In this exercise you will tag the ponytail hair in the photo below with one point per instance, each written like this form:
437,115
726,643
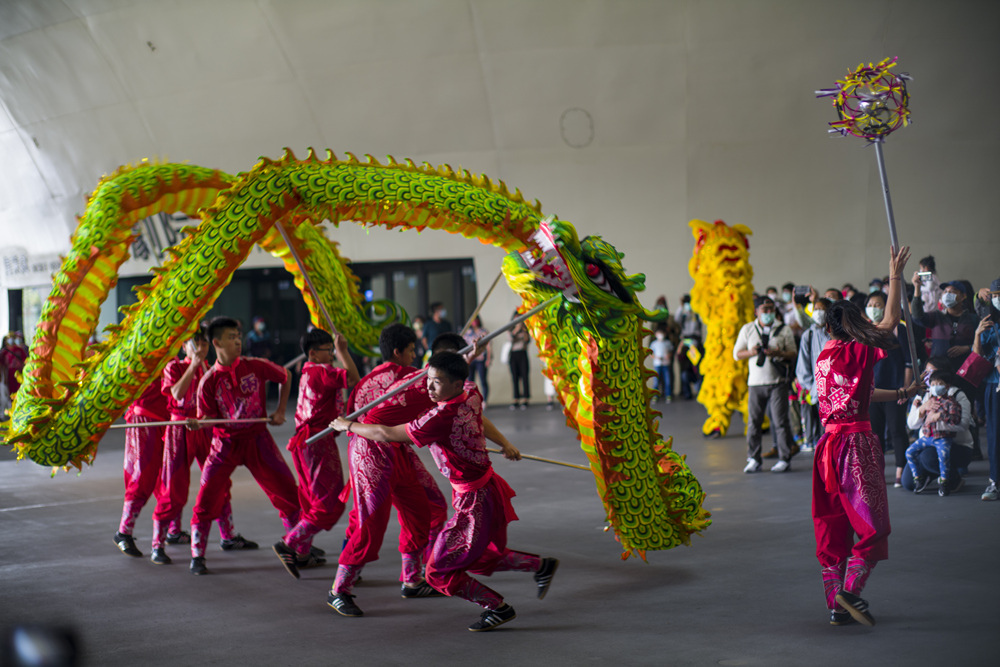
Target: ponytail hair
845,321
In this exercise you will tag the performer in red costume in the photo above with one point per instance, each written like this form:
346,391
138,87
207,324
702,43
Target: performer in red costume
234,389
321,475
474,539
848,471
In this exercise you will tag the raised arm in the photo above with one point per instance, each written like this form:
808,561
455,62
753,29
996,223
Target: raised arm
897,262
344,355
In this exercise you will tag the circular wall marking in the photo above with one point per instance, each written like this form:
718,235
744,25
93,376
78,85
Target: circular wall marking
576,127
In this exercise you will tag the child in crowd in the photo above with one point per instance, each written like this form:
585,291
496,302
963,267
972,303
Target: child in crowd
321,476
938,415
234,389
143,457
663,364
475,538
814,339
181,447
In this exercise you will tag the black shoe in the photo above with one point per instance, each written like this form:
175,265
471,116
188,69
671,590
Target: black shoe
921,483
543,577
770,454
943,487
182,537
238,542
841,617
127,545
198,566
287,558
160,557
492,618
316,551
421,590
310,560
856,607
343,604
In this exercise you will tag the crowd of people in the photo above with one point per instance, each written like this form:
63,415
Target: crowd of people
834,374
216,415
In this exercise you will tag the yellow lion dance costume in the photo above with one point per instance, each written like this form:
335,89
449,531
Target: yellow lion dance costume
723,298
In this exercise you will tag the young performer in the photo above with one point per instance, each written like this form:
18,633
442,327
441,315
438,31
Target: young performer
385,476
234,389
143,457
321,476
848,474
474,539
181,447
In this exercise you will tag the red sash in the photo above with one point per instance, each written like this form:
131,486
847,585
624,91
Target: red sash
499,484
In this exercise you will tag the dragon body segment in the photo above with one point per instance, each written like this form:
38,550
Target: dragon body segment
591,341
723,297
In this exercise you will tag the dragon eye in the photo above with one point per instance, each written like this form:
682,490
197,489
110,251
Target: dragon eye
593,270
596,275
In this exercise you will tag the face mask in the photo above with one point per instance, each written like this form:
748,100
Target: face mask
819,317
687,307
767,319
786,296
874,313
873,288
660,336
18,341
938,389
948,299
772,296
996,302
443,313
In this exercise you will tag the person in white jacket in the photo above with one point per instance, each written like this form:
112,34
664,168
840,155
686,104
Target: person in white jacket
961,439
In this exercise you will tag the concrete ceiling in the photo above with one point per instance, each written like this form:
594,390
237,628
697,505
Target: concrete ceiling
634,113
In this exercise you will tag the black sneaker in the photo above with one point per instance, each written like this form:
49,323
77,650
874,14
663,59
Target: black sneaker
198,566
160,557
492,618
921,483
127,545
316,551
287,558
182,537
421,590
238,542
841,617
856,607
310,560
544,575
343,604
943,486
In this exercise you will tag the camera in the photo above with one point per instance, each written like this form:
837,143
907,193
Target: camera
762,355
925,276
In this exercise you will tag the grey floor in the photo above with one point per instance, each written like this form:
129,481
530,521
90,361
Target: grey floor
747,592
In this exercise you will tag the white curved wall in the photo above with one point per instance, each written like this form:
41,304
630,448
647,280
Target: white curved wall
696,109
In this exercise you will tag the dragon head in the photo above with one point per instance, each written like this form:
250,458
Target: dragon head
597,293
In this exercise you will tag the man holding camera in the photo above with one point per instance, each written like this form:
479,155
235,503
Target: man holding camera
770,347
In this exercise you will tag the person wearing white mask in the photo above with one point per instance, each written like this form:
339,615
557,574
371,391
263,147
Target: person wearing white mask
813,340
691,335
663,363
770,348
986,344
888,419
952,329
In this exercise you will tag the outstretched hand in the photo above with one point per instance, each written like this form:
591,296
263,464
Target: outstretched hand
897,261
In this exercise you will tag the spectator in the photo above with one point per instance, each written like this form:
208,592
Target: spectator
437,325
950,330
813,340
848,291
663,363
770,347
888,418
518,363
942,415
258,340
875,286
421,345
692,335
930,286
12,359
479,365
986,344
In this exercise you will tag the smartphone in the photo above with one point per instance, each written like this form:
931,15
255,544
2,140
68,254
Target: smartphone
925,276
801,290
